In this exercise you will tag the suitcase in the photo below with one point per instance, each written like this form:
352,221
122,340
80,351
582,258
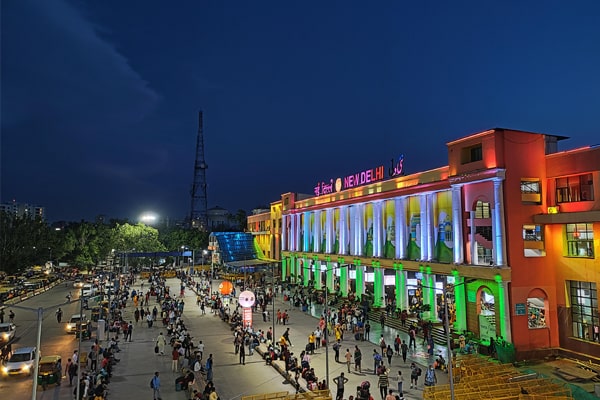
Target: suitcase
177,387
323,342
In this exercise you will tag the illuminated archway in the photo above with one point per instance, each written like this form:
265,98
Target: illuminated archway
486,313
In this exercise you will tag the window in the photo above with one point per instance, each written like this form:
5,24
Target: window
584,308
482,210
531,190
532,232
575,188
536,312
471,154
580,240
533,241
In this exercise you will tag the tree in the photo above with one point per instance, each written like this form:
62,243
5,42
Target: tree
24,242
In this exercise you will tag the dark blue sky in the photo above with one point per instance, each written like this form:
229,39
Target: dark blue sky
100,99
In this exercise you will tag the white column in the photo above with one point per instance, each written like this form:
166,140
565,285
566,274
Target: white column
498,226
431,202
352,233
504,313
377,229
457,233
472,239
317,232
401,239
360,231
423,226
293,232
284,243
342,230
298,232
329,231
307,232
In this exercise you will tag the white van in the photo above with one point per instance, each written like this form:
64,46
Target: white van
88,290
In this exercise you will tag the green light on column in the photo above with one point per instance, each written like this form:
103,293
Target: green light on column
378,284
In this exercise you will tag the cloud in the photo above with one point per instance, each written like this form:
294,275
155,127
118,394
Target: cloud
57,67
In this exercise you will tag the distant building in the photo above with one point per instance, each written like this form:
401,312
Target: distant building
23,210
218,218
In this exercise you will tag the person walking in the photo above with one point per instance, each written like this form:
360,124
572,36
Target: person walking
397,343
404,349
286,335
339,382
415,372
11,316
400,379
412,334
155,385
348,357
242,352
161,342
383,383
389,353
129,331
175,359
209,368
59,315
390,396
367,330
357,359
376,361
336,348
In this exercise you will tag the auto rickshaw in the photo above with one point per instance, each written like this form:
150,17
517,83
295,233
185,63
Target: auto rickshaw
50,371
84,330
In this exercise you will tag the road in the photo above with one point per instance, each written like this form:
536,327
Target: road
54,339
132,375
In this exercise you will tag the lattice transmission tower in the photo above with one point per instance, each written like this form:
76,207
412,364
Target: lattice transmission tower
199,212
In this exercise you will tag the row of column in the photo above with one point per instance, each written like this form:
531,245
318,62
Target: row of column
353,217
293,265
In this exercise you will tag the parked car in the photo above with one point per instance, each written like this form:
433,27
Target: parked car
78,284
20,362
7,332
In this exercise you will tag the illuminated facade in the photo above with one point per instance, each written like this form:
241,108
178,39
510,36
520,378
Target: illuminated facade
482,231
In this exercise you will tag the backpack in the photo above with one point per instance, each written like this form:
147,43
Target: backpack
389,352
419,371
152,383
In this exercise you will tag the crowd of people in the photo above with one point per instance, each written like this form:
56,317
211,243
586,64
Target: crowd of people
185,352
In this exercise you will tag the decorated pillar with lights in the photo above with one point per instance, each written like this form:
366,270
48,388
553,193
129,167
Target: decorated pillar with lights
284,271
460,302
329,274
316,267
503,311
400,228
498,226
343,277
423,226
430,297
401,294
457,232
360,278
378,301
305,271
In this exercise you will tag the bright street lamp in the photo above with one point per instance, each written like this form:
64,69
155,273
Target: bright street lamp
148,218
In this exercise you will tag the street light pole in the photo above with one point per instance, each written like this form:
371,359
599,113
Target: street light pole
449,365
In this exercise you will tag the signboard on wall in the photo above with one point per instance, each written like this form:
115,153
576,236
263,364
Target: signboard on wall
487,327
520,309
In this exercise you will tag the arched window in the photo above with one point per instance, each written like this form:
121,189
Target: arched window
537,306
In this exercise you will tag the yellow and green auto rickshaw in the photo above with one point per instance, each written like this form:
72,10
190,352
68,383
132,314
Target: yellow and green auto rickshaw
49,371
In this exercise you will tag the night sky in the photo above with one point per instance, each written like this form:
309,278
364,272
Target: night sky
100,99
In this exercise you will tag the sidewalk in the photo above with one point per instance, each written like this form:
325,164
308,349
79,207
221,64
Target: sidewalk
302,323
